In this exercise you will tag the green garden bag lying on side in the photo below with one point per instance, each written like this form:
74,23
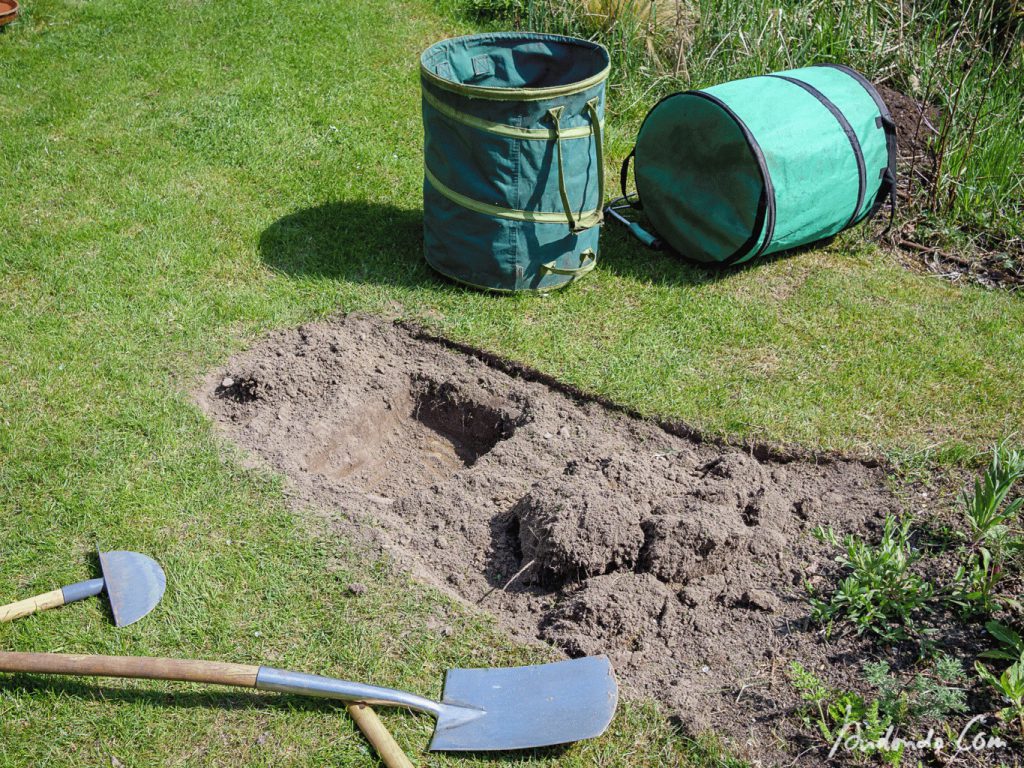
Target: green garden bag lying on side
762,165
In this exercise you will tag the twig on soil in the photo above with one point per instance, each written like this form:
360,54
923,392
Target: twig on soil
748,684
508,583
518,573
800,757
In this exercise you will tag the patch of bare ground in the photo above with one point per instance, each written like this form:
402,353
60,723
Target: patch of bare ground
575,524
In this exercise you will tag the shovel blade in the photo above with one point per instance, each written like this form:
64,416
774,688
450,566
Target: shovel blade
525,707
134,583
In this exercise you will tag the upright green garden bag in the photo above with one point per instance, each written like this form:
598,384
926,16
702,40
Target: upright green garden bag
762,165
513,178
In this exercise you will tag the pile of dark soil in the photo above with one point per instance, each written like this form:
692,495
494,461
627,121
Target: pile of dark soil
685,562
917,125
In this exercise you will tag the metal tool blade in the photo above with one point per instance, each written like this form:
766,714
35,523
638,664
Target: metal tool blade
524,707
134,583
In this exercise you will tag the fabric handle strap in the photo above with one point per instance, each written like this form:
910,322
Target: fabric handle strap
588,260
624,177
577,224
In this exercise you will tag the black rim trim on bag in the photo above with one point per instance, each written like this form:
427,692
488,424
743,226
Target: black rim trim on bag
765,203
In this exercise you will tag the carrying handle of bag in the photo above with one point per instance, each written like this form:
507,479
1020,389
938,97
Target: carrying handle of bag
588,260
624,179
631,201
579,224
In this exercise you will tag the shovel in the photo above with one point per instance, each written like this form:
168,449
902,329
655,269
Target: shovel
480,709
134,584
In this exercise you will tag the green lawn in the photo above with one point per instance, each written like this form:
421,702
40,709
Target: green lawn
177,178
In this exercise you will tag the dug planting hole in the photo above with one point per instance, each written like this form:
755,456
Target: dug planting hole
576,524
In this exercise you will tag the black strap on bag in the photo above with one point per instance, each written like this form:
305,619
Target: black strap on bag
634,202
888,188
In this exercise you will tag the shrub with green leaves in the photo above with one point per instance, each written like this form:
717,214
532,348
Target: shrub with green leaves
880,594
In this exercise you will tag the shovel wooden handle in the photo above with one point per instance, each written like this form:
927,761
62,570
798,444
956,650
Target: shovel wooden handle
30,605
139,667
212,672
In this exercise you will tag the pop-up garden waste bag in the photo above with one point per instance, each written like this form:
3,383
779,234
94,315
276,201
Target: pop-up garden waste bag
513,179
761,165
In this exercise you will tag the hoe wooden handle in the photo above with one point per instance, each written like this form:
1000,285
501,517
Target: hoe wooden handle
139,667
30,605
373,729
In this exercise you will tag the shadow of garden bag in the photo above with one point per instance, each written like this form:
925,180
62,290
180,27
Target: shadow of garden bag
757,166
513,180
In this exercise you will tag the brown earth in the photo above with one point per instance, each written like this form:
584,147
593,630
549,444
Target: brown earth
574,523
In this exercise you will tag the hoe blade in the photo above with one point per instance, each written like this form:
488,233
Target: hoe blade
524,707
134,584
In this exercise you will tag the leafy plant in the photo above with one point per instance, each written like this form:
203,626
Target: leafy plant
835,713
814,692
930,696
881,594
993,541
1010,685
986,515
1011,643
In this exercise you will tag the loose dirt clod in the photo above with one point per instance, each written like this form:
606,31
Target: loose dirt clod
573,526
573,523
622,611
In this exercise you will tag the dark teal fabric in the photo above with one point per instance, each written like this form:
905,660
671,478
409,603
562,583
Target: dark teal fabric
509,172
762,165
515,60
718,210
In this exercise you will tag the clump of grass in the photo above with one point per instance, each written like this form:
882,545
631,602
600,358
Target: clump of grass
881,593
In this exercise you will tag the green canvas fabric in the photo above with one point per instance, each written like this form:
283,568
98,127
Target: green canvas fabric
765,164
512,125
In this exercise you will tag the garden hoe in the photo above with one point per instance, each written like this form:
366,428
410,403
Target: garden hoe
134,585
480,709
